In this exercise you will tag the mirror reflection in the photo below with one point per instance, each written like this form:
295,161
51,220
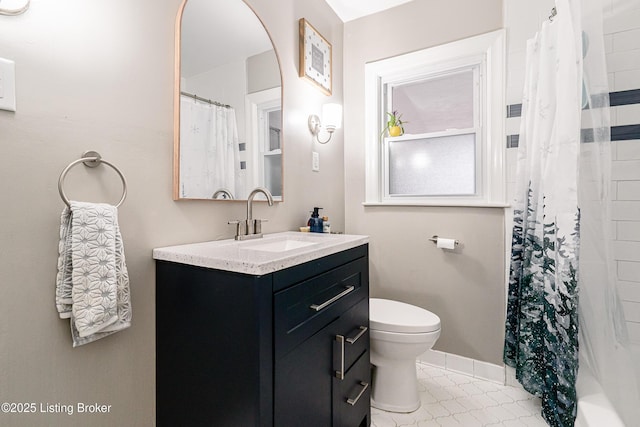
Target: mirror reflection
229,118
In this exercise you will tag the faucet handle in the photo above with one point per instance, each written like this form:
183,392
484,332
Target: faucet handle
257,225
241,227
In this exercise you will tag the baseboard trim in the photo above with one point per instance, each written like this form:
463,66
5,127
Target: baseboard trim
465,365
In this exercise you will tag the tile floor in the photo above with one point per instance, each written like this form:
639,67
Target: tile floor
452,399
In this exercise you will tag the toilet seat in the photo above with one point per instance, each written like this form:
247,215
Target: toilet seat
395,316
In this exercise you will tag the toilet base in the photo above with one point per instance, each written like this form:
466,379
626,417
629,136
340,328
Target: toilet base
391,408
395,386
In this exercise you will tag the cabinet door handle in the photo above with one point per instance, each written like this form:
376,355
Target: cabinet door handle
318,307
340,372
363,329
352,402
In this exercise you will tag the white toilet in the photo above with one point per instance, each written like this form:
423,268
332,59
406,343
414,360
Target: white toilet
399,333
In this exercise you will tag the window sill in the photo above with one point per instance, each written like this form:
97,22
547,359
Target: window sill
459,204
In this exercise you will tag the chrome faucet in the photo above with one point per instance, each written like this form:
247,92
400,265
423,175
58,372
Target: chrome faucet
251,228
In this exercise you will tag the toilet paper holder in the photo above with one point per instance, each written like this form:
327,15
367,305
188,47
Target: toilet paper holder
434,239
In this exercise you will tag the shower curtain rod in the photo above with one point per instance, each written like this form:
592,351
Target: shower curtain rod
205,100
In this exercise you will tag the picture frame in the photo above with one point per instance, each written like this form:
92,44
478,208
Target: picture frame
315,57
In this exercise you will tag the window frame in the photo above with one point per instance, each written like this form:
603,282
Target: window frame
485,52
475,66
257,108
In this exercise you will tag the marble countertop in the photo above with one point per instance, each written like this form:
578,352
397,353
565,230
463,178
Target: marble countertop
273,252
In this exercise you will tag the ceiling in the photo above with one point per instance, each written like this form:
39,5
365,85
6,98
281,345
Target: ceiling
348,10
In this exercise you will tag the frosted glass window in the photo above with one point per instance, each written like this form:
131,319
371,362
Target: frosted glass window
450,101
273,174
436,104
442,166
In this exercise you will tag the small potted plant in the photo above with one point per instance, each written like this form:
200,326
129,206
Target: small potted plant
394,124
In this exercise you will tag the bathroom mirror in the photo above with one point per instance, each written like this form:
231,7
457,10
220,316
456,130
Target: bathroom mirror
228,109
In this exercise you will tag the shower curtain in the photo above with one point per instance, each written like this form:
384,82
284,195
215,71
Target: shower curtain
209,152
562,238
541,340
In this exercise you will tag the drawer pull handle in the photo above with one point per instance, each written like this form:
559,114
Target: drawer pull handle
340,373
363,329
341,340
318,307
365,386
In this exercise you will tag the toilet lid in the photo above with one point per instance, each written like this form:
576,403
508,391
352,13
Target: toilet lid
395,316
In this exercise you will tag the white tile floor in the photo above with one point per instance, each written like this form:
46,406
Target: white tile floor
452,399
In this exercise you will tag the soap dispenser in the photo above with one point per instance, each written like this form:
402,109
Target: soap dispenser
315,222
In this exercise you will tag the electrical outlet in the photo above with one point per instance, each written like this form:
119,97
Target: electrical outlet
7,85
315,161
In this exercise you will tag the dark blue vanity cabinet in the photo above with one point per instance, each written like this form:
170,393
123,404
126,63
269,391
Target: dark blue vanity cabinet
286,349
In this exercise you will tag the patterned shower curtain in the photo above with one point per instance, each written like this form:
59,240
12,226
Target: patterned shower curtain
541,340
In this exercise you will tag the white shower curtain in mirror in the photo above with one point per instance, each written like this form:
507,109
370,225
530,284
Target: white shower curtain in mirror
209,152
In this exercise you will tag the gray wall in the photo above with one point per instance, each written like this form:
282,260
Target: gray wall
262,72
466,289
99,75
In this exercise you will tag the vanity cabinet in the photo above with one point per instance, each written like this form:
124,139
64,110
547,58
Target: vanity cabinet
284,349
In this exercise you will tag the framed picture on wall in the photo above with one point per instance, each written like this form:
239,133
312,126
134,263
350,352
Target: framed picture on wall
315,57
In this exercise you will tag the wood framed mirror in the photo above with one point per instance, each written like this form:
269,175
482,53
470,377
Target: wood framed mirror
227,103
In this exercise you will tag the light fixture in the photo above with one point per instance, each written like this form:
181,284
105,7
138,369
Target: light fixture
331,120
14,7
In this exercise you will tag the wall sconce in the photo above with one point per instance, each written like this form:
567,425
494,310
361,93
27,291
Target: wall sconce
331,119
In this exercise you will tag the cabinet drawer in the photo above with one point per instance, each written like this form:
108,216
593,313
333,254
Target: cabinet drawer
351,396
303,309
282,279
351,337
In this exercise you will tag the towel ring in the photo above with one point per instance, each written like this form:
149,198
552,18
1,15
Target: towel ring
90,159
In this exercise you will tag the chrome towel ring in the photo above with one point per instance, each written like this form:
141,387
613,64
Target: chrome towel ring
90,159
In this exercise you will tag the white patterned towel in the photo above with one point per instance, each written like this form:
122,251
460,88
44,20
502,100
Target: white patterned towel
92,284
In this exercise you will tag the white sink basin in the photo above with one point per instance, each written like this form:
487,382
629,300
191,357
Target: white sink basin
278,246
